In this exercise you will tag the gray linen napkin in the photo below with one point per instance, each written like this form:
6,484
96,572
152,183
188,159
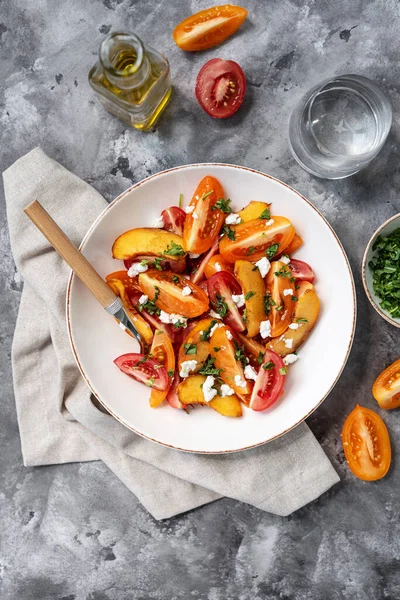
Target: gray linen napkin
58,419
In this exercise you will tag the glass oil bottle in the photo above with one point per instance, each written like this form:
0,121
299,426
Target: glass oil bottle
131,80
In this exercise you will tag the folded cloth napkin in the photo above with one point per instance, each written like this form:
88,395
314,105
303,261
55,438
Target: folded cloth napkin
59,420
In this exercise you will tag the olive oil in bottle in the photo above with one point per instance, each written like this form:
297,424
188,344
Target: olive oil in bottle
131,80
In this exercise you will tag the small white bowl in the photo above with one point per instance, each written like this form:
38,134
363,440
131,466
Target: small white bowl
385,229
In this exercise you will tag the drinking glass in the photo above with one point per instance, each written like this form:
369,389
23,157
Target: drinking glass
339,126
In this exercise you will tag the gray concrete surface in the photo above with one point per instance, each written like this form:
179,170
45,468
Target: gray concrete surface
74,532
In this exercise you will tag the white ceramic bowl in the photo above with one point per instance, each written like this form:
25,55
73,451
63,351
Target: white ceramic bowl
388,227
96,341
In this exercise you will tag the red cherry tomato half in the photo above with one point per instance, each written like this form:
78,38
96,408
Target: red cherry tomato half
270,381
221,286
198,274
177,266
174,218
220,87
143,369
172,396
301,270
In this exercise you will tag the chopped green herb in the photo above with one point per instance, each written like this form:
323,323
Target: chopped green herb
179,324
208,368
296,287
250,250
220,305
283,371
249,295
176,279
223,205
150,381
385,267
260,358
174,250
272,250
158,331
190,348
301,321
230,233
294,298
279,307
244,316
204,196
265,214
157,263
171,373
180,200
284,272
144,262
239,354
150,306
269,365
205,336
268,303
217,349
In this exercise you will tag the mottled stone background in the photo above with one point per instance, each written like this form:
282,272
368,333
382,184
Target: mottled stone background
74,532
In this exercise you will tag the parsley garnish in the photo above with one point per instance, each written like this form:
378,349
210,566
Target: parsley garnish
268,302
385,267
284,272
244,316
283,370
174,250
171,373
265,214
223,206
190,348
230,233
294,298
150,381
269,365
272,250
206,333
217,349
157,263
239,354
279,307
179,323
301,321
143,262
150,306
250,250
204,196
249,295
176,279
220,305
208,367
260,358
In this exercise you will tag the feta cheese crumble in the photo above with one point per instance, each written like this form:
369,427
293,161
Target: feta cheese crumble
238,300
285,260
208,391
216,326
226,390
239,381
288,292
229,335
136,268
289,343
233,219
186,291
193,255
214,314
195,215
250,373
265,329
158,223
143,299
294,326
263,266
189,209
290,359
186,367
269,223
172,318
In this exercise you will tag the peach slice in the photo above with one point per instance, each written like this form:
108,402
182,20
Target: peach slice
253,288
190,392
253,210
148,241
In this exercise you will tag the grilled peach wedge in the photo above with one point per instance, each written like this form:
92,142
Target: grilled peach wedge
253,288
147,241
190,392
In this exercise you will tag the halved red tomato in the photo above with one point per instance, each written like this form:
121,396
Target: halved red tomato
165,289
366,444
174,219
198,273
202,225
177,266
254,239
301,270
228,354
162,352
209,27
221,287
172,396
281,297
215,264
386,389
220,87
270,381
143,369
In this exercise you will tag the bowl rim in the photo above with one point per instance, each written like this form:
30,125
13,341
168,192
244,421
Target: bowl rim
364,266
197,165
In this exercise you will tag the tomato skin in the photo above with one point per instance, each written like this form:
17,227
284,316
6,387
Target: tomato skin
301,270
143,369
223,285
386,388
199,274
209,27
254,237
220,87
177,266
269,384
172,396
162,351
366,444
170,298
216,264
174,219
199,234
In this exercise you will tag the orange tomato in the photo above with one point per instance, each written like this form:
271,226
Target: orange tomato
386,389
294,245
209,27
162,352
224,351
282,304
253,238
215,264
366,444
202,226
165,288
122,276
194,347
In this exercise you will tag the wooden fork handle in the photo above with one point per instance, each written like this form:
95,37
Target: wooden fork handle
66,249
